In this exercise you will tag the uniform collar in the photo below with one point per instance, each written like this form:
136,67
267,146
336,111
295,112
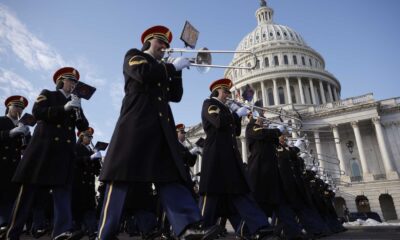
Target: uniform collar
64,93
15,121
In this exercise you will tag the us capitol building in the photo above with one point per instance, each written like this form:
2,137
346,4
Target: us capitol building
355,142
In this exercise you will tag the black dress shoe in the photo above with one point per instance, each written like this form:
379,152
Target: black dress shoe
3,232
197,233
37,233
155,233
263,234
76,235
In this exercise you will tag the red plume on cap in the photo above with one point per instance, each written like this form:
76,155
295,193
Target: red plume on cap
16,100
221,83
66,72
159,32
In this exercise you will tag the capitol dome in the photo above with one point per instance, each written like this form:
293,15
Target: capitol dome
285,70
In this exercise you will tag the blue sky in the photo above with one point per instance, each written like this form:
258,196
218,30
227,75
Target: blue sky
357,38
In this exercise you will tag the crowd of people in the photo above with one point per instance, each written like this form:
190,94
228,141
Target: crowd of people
146,185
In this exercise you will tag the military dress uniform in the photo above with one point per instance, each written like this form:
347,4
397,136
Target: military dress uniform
222,172
263,165
189,158
144,145
48,159
10,155
83,187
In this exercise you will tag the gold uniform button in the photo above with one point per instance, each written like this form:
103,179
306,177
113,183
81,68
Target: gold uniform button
4,158
6,147
159,98
69,128
159,84
168,119
160,114
58,125
56,139
68,141
167,88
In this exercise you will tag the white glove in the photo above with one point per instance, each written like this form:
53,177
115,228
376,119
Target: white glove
20,130
243,111
233,106
96,155
194,150
181,63
75,102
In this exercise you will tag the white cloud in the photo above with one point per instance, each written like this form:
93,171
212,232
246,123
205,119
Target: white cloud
34,53
13,84
117,93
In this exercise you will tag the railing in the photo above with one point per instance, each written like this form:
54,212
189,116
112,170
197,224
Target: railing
366,98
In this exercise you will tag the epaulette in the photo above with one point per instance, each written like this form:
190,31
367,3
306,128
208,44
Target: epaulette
255,128
136,60
213,109
41,98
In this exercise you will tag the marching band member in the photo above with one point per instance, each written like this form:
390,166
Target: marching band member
189,155
152,155
10,155
48,159
86,168
223,177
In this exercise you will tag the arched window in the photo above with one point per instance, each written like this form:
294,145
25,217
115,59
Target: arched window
270,96
387,206
355,169
281,95
285,60
309,60
303,60
276,61
266,62
294,60
293,94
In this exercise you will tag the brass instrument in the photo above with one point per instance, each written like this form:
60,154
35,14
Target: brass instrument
203,58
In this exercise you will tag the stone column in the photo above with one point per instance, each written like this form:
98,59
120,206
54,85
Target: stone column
339,152
367,176
387,162
294,133
301,91
336,94
255,96
244,149
322,92
330,92
289,94
314,99
264,94
318,147
276,97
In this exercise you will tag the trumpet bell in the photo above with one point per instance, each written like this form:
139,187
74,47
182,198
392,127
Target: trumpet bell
203,58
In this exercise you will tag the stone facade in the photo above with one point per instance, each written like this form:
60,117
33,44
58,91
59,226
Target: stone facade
290,75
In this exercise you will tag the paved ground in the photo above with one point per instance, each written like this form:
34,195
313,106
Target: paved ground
365,233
